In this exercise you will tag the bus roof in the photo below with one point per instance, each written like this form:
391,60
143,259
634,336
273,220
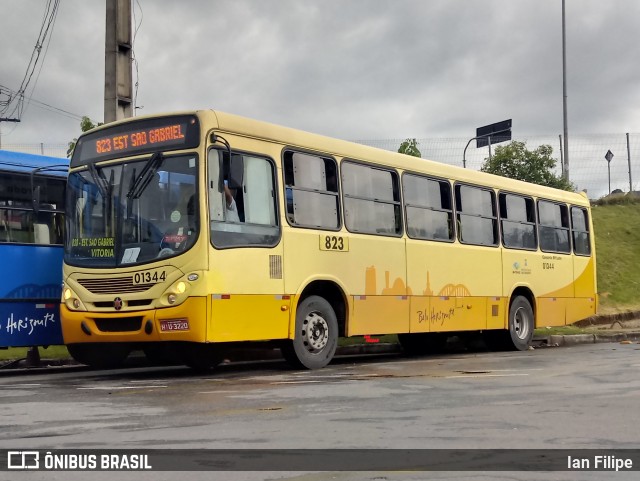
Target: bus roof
351,150
21,162
236,124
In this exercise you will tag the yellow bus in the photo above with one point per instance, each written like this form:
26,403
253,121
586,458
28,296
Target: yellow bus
197,231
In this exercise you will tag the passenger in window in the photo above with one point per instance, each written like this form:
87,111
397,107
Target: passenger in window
289,199
191,213
232,207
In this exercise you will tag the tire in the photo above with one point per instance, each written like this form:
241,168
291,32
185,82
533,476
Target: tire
100,355
316,335
419,344
519,334
521,324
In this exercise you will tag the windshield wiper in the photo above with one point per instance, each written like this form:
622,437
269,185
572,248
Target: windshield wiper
100,180
142,181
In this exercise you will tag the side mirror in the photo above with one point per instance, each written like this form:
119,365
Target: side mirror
232,165
36,199
236,172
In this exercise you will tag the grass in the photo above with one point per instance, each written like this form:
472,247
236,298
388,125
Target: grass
51,352
560,330
617,236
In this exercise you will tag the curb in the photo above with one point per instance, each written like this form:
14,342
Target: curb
573,339
600,319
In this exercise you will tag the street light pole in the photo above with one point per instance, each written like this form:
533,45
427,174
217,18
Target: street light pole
565,172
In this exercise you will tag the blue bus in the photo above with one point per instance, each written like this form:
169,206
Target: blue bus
32,198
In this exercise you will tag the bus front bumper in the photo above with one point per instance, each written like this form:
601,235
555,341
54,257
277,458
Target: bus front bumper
185,322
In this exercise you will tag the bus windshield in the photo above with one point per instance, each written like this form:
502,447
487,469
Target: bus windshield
133,212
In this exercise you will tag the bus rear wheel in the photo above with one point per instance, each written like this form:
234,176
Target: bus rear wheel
520,332
521,323
99,355
316,335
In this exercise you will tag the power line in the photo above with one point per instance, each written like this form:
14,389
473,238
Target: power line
133,54
15,103
46,50
43,105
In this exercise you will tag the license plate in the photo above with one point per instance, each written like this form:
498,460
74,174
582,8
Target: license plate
174,325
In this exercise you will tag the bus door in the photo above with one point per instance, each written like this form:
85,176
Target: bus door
247,297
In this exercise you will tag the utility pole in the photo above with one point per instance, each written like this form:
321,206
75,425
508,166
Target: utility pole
5,119
118,85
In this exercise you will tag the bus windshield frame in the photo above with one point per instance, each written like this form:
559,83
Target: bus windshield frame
132,212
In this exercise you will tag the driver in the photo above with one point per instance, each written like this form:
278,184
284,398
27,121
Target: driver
232,208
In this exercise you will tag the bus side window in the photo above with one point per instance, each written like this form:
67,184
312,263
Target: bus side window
311,190
5,235
225,204
41,233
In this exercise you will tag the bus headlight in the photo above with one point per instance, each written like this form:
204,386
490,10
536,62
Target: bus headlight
177,292
71,300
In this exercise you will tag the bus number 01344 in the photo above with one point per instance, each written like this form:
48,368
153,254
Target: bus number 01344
149,277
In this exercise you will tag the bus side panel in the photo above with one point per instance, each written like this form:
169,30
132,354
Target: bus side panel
247,301
30,324
497,308
249,317
520,269
458,280
380,295
34,273
554,280
584,304
370,268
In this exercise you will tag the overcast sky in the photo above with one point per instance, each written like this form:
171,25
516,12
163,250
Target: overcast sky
353,69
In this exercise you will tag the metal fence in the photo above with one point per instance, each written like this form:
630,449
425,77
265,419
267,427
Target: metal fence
587,164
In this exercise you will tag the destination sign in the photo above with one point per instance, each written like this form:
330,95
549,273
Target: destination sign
138,137
168,135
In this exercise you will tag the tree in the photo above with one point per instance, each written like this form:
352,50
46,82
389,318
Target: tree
410,147
86,124
517,162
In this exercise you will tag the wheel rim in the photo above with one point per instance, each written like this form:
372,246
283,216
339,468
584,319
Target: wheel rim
521,323
315,332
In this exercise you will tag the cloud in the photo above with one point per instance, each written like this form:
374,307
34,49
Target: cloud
354,69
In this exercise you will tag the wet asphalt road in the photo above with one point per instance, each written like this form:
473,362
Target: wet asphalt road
585,396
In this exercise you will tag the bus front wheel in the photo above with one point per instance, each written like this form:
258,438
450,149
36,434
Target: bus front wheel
99,355
316,335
